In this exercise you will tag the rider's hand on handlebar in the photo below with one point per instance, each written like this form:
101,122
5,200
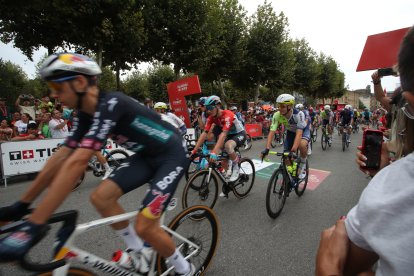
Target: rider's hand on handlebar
213,157
264,153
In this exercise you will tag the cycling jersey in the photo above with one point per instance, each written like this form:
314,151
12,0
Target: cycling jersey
227,122
346,116
327,117
160,152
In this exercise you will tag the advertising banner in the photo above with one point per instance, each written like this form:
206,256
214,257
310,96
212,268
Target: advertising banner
176,93
254,130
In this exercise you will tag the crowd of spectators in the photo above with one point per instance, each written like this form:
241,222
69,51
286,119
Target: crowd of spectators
31,119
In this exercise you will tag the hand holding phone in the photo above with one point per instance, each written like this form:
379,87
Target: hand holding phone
371,149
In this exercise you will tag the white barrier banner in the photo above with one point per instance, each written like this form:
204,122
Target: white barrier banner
22,157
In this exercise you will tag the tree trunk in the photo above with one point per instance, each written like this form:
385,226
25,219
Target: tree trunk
99,55
177,69
223,95
118,81
257,93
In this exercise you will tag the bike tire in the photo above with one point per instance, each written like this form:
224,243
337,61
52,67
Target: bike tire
204,232
80,181
192,168
343,141
247,144
244,183
323,140
302,184
314,134
277,191
116,157
198,192
274,141
73,271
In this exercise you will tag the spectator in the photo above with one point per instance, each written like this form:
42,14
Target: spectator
44,125
58,126
32,133
46,104
379,227
6,132
15,117
20,127
5,113
26,107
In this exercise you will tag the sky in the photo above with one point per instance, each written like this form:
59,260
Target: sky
336,28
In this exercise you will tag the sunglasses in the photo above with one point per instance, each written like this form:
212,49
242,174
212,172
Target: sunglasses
282,105
57,83
210,107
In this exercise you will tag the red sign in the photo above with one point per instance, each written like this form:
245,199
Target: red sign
176,92
381,50
254,130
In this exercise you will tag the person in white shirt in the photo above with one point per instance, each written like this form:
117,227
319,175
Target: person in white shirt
57,126
170,117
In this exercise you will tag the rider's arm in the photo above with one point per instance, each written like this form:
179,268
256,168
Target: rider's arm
273,128
298,138
200,141
63,182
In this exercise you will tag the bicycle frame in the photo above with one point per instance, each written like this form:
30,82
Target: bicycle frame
70,252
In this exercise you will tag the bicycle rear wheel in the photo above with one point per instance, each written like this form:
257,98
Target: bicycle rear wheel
204,232
200,190
276,194
301,186
245,182
323,140
73,271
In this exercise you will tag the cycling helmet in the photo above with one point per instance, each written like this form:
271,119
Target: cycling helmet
348,107
202,100
327,107
68,64
299,106
160,105
355,110
212,100
285,99
233,108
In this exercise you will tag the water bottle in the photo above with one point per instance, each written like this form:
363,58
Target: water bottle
123,259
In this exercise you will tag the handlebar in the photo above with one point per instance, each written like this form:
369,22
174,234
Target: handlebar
69,224
284,154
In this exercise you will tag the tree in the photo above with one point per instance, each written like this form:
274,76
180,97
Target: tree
13,81
136,86
107,80
158,78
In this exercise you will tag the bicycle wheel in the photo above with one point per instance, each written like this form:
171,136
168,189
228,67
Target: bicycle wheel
80,180
276,194
200,190
323,140
347,140
245,182
116,157
193,167
314,134
203,232
247,144
73,271
301,186
275,140
343,141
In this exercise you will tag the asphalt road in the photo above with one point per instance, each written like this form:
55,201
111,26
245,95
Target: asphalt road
251,242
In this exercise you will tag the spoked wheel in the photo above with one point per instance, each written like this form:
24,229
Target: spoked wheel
116,158
301,186
73,271
247,144
324,140
245,182
203,232
276,194
201,189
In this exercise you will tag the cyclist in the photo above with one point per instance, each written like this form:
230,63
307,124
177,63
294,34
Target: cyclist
327,117
170,117
297,135
238,114
232,135
308,119
160,158
346,118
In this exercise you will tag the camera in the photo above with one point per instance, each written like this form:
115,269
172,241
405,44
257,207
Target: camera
382,72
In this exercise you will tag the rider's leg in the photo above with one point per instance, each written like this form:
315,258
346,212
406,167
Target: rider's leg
230,145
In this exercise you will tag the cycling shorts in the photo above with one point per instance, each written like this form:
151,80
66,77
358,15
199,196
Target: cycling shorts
290,138
325,122
346,122
239,138
163,173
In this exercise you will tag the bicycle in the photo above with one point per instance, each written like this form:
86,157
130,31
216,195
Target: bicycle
197,245
114,158
282,182
345,137
279,137
202,188
325,139
314,133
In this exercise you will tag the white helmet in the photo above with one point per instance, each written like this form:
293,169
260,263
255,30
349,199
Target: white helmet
233,108
160,105
285,99
62,65
355,110
327,107
348,107
299,106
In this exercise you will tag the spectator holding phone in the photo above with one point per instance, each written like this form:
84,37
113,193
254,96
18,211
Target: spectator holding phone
27,106
380,227
58,126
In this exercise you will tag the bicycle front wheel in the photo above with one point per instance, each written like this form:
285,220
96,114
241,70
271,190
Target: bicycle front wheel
73,271
245,182
324,140
201,189
276,194
343,141
193,167
301,186
204,232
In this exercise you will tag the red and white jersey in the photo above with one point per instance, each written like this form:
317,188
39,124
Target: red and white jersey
227,121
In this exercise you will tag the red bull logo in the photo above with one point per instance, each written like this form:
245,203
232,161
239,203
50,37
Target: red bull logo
156,206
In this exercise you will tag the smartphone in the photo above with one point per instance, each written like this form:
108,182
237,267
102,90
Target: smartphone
371,148
385,72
